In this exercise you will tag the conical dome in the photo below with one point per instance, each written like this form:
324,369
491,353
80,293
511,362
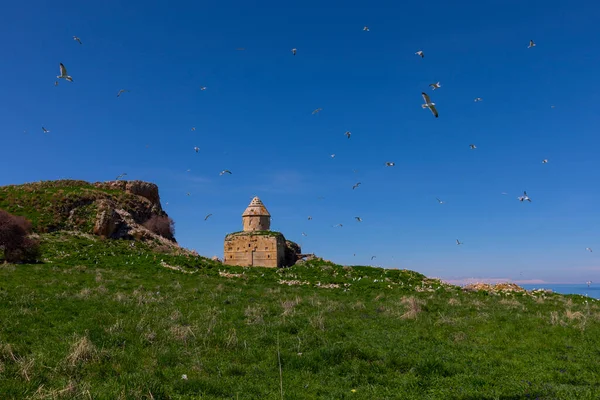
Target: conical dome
256,207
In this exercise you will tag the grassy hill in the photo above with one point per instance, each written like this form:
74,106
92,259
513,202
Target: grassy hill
114,319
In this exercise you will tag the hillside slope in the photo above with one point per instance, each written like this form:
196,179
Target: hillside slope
112,319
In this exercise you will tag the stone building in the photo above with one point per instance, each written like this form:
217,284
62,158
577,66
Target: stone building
256,245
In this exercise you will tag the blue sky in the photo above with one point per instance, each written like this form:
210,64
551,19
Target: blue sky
255,119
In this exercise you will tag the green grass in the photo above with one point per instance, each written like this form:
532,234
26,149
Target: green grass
103,320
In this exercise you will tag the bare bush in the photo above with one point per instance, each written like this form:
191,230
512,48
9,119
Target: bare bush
14,239
161,225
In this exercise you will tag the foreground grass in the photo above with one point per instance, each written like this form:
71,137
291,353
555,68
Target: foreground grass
104,320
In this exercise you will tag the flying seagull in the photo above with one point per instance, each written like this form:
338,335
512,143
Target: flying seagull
63,73
304,234
439,201
472,146
121,92
56,83
120,176
429,104
390,164
348,134
45,130
366,29
589,283
531,44
205,218
357,184
77,39
524,197
309,218
225,171
477,99
458,242
196,149
588,249
294,51
340,225
359,219
202,87
333,155
372,257
420,53
193,128
317,110
435,85
544,161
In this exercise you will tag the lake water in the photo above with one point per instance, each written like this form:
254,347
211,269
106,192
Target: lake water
564,288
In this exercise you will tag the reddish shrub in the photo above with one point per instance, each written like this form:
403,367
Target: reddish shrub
15,243
161,225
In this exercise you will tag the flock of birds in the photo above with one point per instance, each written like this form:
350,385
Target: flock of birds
428,104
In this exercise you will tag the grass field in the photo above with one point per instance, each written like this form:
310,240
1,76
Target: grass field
100,319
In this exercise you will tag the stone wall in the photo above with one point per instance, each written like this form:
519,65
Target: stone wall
255,250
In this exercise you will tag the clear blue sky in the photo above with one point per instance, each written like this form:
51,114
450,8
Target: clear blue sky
255,119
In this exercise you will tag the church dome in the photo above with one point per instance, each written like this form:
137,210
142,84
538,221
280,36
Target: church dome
256,208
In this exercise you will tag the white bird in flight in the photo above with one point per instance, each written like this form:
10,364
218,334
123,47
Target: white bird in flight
340,225
420,53
588,249
333,155
390,164
544,161
531,44
225,171
589,283
309,218
317,110
435,85
458,242
56,83
348,134
429,104
77,39
359,219
294,51
202,87
120,176
366,29
439,201
477,99
524,197
63,73
205,218
357,184
45,130
121,92
193,128
304,234
196,149
472,146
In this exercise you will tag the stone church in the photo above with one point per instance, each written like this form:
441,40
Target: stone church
257,245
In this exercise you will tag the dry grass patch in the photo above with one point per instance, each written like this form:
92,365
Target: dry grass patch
175,315
512,303
254,315
289,305
458,337
84,293
82,350
453,302
413,307
318,322
359,305
182,332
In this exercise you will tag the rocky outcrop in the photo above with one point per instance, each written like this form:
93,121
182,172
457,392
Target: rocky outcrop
292,253
106,219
